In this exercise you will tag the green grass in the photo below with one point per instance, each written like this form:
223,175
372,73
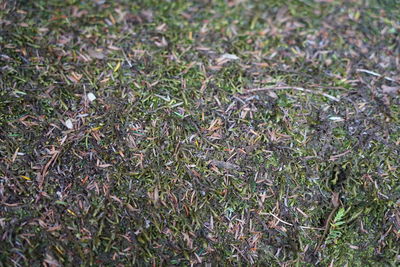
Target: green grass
176,162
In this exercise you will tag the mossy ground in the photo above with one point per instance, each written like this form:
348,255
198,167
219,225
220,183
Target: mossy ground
177,161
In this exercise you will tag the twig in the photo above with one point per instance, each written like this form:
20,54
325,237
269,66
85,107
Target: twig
44,170
327,228
126,58
376,74
328,87
262,89
336,204
284,222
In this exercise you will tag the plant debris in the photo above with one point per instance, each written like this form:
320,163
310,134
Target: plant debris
190,133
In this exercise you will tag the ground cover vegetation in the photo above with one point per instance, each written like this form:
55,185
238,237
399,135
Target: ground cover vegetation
162,133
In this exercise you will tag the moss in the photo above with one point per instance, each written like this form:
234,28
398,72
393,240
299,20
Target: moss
134,182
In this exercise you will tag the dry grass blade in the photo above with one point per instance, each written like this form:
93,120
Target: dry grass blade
264,89
127,137
376,74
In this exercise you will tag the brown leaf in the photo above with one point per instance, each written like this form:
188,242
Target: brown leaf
117,199
161,42
390,89
224,165
54,228
130,208
96,53
51,261
335,199
104,165
75,77
147,15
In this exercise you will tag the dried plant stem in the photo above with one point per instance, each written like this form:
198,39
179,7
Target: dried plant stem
376,74
262,89
284,222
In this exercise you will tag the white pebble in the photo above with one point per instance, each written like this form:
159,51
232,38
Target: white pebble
69,124
335,118
91,97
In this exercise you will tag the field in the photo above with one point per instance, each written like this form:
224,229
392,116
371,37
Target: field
200,133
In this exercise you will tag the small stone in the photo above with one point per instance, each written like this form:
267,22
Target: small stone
91,97
69,124
336,118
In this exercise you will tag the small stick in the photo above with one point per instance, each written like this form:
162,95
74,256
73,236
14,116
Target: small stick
336,204
328,87
262,89
376,74
284,222
126,58
327,228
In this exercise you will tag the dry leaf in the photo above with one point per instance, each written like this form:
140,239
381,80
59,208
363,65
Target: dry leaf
225,165
390,89
229,56
96,54
51,261
335,199
225,58
272,94
162,43
147,15
104,165
130,208
75,77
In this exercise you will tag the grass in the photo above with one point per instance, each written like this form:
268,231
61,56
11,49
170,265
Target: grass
177,161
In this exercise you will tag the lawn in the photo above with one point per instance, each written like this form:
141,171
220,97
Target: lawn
200,133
